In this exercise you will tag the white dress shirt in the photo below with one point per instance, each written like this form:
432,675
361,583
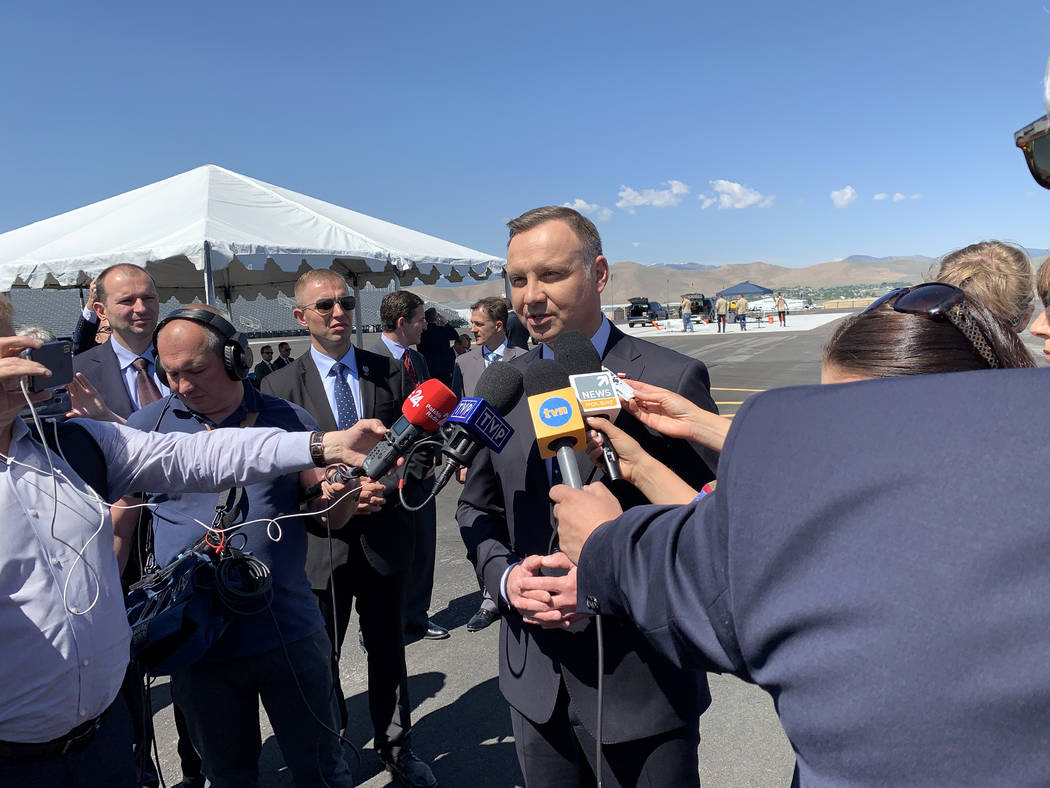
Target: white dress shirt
130,375
324,369
62,665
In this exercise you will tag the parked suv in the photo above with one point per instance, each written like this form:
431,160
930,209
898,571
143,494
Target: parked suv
701,305
643,312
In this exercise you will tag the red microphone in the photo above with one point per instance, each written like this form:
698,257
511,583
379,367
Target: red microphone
422,413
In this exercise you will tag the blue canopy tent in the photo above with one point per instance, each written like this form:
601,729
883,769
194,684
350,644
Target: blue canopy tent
744,288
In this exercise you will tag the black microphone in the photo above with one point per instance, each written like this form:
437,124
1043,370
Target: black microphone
555,417
592,385
479,421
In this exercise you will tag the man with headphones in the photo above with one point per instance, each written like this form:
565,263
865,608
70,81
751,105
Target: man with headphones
280,653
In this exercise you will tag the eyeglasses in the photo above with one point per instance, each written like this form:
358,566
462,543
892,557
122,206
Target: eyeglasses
1034,141
941,302
326,305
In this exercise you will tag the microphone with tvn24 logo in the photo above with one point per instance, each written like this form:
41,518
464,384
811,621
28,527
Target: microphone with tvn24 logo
595,387
479,421
555,417
422,412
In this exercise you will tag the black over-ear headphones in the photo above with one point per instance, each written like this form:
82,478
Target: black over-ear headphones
236,355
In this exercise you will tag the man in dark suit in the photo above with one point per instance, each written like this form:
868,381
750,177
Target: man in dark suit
122,370
488,320
337,384
403,321
284,356
548,665
266,366
886,584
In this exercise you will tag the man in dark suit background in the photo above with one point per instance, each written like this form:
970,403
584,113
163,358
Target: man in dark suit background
366,561
548,672
266,366
488,320
898,616
122,370
403,321
284,356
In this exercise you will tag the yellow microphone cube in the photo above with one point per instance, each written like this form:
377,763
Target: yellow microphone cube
556,415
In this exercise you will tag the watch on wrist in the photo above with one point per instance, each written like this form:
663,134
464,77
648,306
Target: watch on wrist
317,449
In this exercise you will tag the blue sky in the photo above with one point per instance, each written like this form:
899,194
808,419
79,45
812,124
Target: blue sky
453,117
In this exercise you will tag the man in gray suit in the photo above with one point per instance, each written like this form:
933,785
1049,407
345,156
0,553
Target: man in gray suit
122,370
366,562
488,323
403,320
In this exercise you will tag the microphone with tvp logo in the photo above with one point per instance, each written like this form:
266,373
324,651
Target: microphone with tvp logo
478,421
594,387
555,417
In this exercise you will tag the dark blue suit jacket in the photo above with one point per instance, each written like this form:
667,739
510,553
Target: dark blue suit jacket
876,556
101,368
504,515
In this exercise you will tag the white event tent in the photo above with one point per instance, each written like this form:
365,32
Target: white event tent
211,231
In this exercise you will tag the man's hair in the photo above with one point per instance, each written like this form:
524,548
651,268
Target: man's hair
401,303
264,348
995,273
493,306
215,340
39,332
124,268
314,275
1042,282
431,314
283,345
586,232
7,310
466,338
884,343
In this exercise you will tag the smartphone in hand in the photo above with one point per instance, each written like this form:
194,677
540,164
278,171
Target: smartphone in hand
56,356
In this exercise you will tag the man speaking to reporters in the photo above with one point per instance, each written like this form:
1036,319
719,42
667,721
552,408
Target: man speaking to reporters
548,674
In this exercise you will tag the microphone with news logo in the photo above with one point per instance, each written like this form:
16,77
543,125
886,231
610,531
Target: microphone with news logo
479,420
594,386
555,417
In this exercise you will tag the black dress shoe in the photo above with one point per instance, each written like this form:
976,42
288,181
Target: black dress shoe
411,771
435,631
481,619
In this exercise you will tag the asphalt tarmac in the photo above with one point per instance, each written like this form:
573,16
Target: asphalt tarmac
460,722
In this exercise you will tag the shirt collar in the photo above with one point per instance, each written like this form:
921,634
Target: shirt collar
600,339
499,352
126,357
325,363
396,350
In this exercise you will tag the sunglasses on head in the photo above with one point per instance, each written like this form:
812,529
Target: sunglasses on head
326,305
940,301
1034,142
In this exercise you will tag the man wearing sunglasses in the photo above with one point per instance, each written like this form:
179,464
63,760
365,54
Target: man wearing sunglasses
364,564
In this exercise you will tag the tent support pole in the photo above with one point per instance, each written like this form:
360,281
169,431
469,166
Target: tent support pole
506,284
209,280
359,329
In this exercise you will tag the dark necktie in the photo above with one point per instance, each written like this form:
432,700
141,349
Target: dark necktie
346,416
144,386
408,368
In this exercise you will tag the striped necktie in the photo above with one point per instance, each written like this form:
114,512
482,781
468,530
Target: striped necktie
408,368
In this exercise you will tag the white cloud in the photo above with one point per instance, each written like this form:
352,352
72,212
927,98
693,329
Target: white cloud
635,244
843,197
916,197
656,198
599,212
897,197
880,196
733,195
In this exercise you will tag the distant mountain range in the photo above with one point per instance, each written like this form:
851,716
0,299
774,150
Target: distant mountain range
669,282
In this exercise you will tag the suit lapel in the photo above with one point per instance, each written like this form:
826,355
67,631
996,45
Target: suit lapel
365,378
313,390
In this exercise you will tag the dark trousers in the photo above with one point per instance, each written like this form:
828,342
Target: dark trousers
378,601
107,761
221,704
722,323
419,585
560,753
